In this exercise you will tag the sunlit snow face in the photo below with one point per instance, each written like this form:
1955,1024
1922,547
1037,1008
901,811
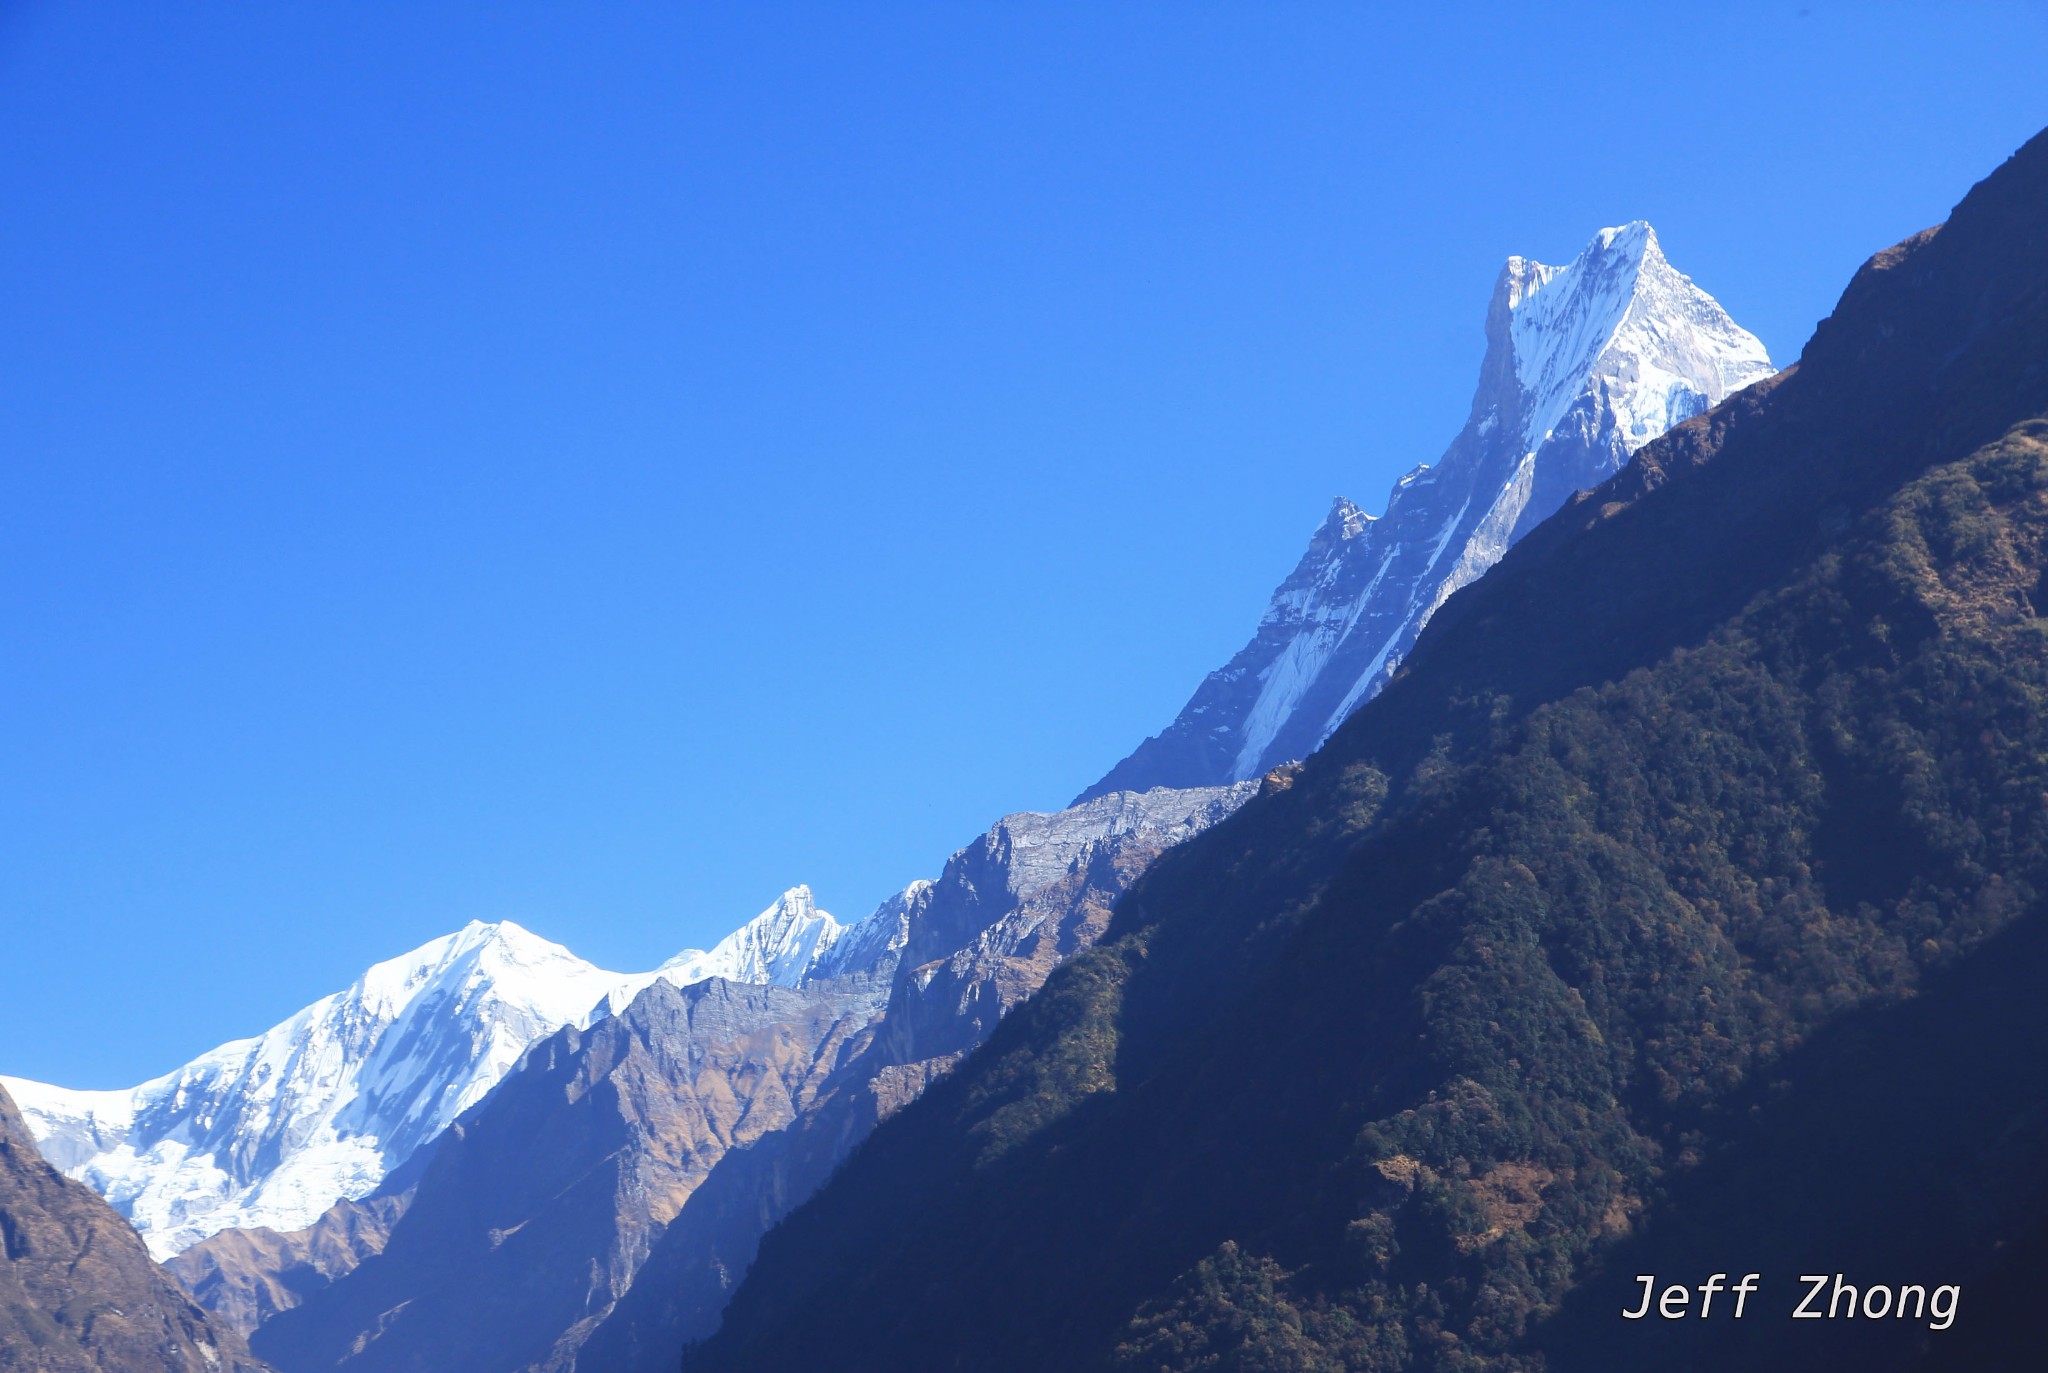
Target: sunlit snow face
1596,359
1622,319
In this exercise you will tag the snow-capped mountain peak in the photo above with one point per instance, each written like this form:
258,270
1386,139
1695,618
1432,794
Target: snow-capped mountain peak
1622,315
1585,363
777,947
518,966
274,1129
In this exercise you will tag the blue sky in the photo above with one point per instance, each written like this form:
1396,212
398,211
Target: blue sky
599,466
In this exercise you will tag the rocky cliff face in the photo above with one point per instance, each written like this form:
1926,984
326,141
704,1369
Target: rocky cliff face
1584,365
1009,908
246,1276
79,1292
650,1151
538,1208
1032,892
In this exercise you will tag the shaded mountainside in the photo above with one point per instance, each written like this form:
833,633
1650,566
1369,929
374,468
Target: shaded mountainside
1033,891
78,1290
1710,826
1584,365
539,1205
246,1276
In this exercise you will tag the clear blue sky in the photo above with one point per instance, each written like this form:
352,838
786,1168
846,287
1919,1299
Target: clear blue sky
600,465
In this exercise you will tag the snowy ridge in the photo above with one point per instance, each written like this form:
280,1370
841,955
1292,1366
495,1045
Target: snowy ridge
877,942
1320,613
1584,365
777,947
1019,858
273,1130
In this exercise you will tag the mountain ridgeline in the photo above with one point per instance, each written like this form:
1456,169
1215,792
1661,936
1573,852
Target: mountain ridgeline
1676,908
1636,861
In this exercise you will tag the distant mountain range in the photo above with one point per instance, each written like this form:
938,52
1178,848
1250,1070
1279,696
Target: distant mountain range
490,1155
272,1131
668,1138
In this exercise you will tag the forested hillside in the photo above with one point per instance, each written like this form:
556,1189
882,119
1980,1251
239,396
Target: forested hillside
1676,909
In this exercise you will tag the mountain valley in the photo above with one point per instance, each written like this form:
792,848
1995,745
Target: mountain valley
487,1156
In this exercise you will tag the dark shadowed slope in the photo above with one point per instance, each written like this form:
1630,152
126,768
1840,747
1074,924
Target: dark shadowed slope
1725,789
79,1292
1007,909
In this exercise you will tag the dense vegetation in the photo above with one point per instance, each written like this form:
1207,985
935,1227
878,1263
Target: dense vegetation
1657,890
1676,910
